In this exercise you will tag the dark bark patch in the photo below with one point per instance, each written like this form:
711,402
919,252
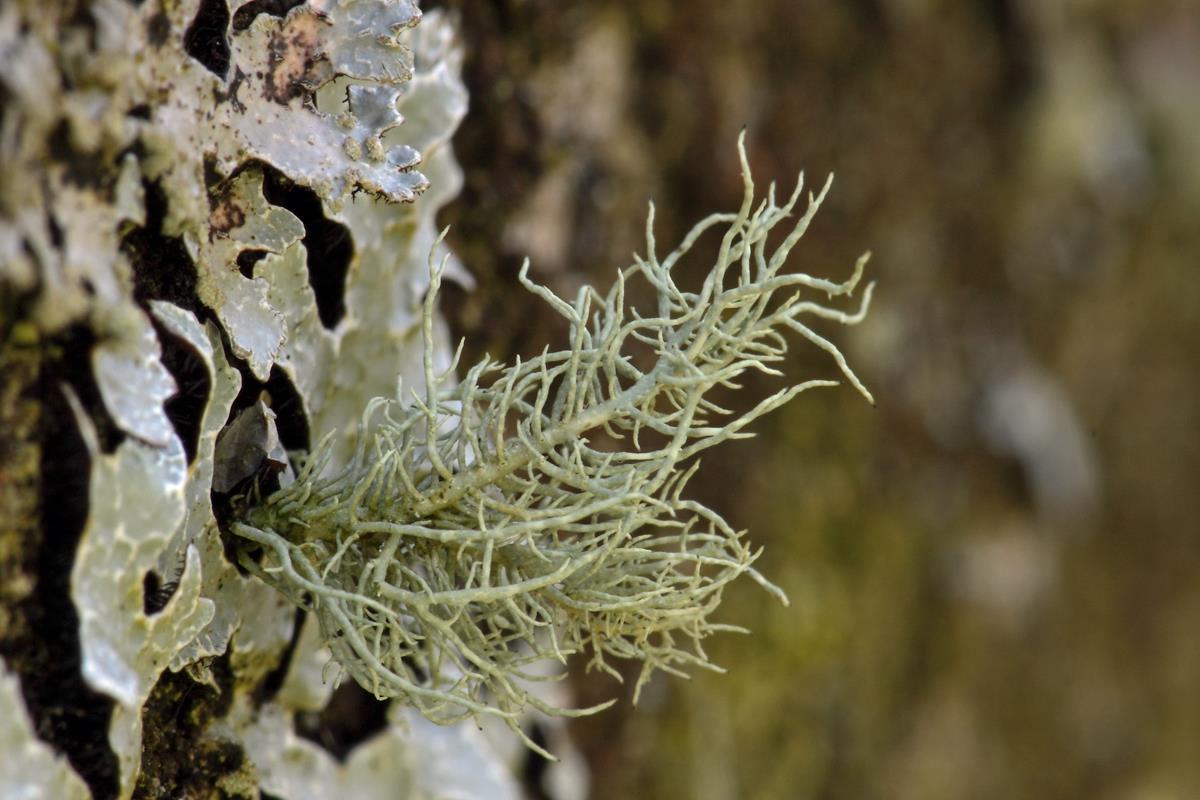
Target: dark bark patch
273,682
40,641
352,716
82,168
162,268
246,261
207,38
185,409
328,244
156,593
535,769
158,29
244,17
178,759
291,425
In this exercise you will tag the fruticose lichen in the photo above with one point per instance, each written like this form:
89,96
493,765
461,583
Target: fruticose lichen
534,511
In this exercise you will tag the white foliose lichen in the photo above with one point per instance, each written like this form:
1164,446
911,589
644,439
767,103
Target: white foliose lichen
135,144
29,769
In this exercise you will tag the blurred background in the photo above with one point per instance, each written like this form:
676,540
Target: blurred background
994,573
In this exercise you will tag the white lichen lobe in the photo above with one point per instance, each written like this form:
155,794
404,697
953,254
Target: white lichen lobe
536,510
135,140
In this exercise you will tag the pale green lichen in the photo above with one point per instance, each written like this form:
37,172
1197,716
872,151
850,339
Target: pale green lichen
29,768
537,510
136,498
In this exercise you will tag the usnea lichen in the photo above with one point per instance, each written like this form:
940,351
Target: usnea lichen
536,510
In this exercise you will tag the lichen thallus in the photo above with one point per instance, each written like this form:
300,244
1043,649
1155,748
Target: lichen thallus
479,529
